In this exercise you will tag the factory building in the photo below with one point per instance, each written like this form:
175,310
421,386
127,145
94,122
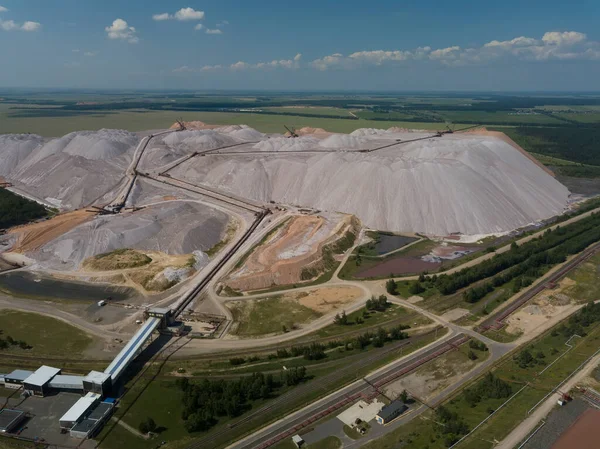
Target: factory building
15,379
37,383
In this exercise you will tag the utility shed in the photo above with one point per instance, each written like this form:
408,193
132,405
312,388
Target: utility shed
76,413
391,412
15,379
67,382
38,382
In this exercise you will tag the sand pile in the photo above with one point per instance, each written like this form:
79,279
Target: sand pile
74,170
308,130
458,183
172,228
15,148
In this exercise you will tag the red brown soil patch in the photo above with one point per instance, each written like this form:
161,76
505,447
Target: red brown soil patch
401,265
33,236
583,434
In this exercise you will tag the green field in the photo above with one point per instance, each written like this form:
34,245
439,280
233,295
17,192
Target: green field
142,120
259,317
309,110
46,336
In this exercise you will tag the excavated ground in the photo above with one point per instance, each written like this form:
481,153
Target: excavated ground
280,259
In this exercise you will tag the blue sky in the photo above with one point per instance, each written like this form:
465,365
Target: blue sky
309,45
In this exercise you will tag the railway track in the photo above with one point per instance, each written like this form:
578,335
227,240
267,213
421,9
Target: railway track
496,321
332,380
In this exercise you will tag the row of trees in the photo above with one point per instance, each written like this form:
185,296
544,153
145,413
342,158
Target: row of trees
204,402
551,248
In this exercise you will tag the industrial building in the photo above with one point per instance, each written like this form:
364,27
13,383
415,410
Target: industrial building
15,379
390,412
86,416
89,413
37,383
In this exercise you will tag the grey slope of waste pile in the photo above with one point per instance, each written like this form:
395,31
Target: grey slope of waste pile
462,183
173,228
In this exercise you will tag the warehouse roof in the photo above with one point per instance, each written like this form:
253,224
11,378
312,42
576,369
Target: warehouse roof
42,376
96,377
19,374
392,410
80,408
67,382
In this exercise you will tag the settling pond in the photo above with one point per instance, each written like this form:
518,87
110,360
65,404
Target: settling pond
389,242
25,284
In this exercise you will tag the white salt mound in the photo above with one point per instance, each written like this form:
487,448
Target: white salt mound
286,144
15,148
197,140
458,183
345,141
74,170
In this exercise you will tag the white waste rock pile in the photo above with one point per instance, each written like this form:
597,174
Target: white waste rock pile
463,183
15,148
70,172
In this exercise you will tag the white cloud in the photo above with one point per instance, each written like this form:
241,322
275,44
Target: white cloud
163,16
75,50
240,65
445,53
11,25
90,53
198,27
189,14
31,26
563,38
555,45
327,62
222,23
8,25
288,64
183,69
211,68
213,31
3,9
121,30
